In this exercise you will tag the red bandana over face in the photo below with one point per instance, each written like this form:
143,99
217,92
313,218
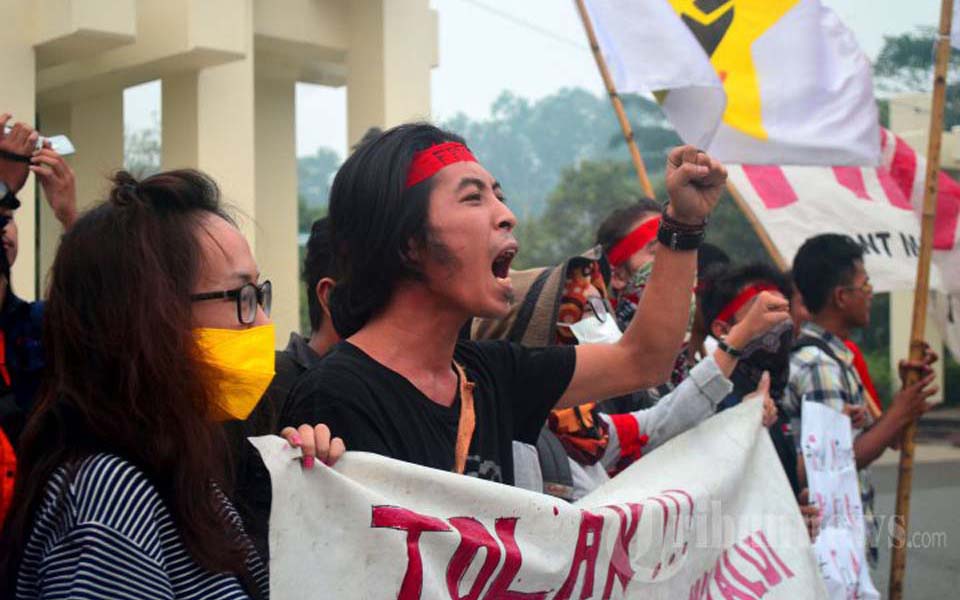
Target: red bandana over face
574,299
427,162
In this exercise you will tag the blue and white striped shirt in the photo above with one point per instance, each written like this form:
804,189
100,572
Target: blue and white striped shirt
106,533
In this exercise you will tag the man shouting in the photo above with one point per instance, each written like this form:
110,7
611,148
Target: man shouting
424,242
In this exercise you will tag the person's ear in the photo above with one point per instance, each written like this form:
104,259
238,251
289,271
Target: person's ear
323,289
719,329
838,298
618,279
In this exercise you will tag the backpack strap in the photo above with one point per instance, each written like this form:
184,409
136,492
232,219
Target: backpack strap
525,313
806,341
554,466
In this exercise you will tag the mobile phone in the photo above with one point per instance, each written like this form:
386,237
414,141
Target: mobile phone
61,144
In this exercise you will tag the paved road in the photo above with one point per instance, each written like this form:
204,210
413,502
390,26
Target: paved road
933,563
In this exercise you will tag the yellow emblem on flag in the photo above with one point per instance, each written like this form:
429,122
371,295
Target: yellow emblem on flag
727,29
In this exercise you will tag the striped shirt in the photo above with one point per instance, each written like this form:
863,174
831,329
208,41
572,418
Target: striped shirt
106,533
816,377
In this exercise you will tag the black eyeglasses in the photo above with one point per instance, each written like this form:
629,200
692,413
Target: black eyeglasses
247,296
598,307
866,287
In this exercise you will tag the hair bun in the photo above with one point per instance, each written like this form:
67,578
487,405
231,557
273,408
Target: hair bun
126,189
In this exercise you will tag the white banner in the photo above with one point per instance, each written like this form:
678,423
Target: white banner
834,487
708,515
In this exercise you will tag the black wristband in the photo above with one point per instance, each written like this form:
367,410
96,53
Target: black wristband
678,239
677,235
14,157
724,347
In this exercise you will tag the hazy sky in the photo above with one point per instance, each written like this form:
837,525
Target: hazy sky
531,47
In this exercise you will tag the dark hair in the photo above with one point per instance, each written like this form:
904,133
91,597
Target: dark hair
376,220
317,264
824,262
369,135
619,223
123,372
710,259
727,284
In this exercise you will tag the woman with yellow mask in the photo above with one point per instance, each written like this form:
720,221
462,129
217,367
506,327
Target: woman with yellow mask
157,328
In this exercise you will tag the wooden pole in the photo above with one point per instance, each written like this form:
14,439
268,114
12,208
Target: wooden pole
768,244
615,99
898,560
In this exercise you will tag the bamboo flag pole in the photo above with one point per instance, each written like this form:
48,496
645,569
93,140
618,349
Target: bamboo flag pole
615,99
758,228
898,561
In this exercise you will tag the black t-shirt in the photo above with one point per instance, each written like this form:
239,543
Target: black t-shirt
375,409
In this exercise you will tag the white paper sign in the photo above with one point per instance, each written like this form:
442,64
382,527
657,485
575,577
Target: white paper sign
708,515
832,474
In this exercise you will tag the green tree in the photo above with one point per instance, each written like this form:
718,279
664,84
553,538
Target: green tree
586,194
142,150
526,144
590,191
315,174
307,214
905,64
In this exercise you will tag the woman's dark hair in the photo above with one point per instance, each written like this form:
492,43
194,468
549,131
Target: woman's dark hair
823,263
123,372
726,285
375,222
620,222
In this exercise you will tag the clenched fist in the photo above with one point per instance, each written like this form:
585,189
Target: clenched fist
695,183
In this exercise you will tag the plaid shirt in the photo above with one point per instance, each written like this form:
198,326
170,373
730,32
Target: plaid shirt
816,377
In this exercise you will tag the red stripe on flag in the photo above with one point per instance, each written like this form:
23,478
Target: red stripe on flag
771,185
852,179
948,212
892,190
903,168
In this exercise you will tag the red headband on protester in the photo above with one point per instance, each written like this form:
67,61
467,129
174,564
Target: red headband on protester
634,241
742,298
427,162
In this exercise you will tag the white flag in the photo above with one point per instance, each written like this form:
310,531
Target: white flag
798,88
648,49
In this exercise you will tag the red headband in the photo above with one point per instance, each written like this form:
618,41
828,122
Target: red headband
427,162
633,242
742,298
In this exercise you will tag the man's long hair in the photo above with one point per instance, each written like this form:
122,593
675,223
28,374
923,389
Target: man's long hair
124,374
376,221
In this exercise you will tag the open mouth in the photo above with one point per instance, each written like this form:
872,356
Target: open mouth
501,265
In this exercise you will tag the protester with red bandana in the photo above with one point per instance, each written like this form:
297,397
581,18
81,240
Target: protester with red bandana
425,242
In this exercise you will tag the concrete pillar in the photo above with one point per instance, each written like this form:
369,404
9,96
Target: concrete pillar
17,93
179,133
96,128
901,316
392,49
276,198
239,129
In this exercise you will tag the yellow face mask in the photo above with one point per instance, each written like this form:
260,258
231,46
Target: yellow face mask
245,359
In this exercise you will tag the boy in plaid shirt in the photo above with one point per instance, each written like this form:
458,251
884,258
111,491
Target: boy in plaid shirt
829,272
